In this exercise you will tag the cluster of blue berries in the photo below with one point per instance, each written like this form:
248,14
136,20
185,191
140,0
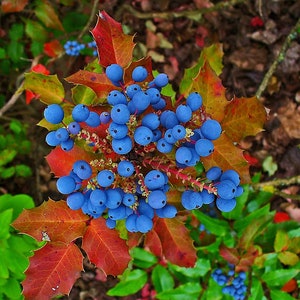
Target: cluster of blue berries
73,48
233,283
133,186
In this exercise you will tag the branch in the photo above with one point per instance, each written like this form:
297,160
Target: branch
195,15
280,57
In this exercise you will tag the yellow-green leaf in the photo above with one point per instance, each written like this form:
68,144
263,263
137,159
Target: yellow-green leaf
288,258
281,241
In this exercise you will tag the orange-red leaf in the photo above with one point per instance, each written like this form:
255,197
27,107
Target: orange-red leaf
61,162
176,242
229,254
153,243
99,83
52,271
105,248
227,156
243,117
114,47
8,6
210,87
52,221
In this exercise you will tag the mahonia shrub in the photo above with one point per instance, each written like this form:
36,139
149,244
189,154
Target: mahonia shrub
133,158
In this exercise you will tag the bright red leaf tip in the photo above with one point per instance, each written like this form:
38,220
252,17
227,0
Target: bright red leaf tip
52,271
281,217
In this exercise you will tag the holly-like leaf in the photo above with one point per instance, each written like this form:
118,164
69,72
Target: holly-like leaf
84,95
282,241
288,258
61,162
243,117
114,47
213,55
46,14
99,83
227,156
9,6
52,271
53,48
230,254
210,87
177,244
105,248
47,87
52,221
153,243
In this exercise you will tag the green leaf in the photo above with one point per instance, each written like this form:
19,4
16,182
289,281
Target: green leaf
279,277
15,51
257,292
295,245
257,200
16,31
288,258
215,226
5,220
36,48
36,31
4,272
48,88
281,241
17,203
12,289
23,170
142,258
131,284
2,53
240,225
188,291
277,294
82,94
162,279
7,172
6,156
71,26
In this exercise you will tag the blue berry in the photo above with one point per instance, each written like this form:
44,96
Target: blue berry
132,89
125,168
143,135
214,173
169,137
80,113
140,101
62,134
154,95
110,223
51,139
128,199
82,169
93,120
67,145
161,80
183,113
105,178
161,104
116,97
74,127
75,200
118,213
98,197
191,200
145,209
204,147
211,129
151,121
157,199
114,198
66,185
168,211
130,223
226,189
163,146
178,132
183,155
207,197
139,74
122,146
54,114
154,180
143,223
117,131
194,101
120,114
105,117
114,72
231,175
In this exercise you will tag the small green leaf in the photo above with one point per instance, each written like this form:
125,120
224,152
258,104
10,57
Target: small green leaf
36,31
215,226
15,51
12,289
277,294
131,284
2,53
48,88
82,94
69,24
295,245
281,241
4,272
16,31
279,277
162,279
288,258
7,172
257,292
5,220
6,156
143,258
23,170
269,165
188,291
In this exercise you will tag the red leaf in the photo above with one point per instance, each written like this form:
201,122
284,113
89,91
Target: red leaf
153,243
113,45
176,242
53,48
105,248
229,254
61,162
52,271
99,83
281,217
53,221
8,6
290,286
